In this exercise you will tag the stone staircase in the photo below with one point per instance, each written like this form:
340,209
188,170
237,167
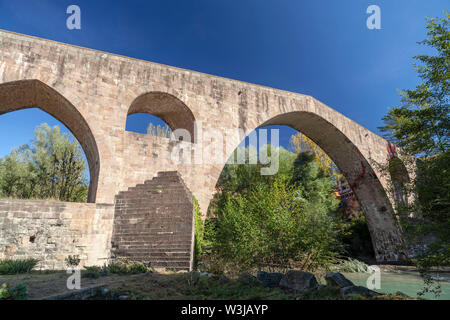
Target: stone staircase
154,223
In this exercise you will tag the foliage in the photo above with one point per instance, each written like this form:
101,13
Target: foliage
350,265
18,292
159,131
200,240
313,184
302,144
72,261
52,167
17,266
356,237
420,126
218,288
121,267
94,272
274,226
240,175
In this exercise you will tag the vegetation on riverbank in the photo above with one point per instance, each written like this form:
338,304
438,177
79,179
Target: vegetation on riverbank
421,127
51,167
162,286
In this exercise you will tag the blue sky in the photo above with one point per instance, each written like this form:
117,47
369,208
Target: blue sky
321,48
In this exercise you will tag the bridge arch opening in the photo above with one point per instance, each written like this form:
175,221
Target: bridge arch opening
27,94
167,110
367,188
369,191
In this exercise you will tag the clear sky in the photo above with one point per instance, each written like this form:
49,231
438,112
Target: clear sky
321,48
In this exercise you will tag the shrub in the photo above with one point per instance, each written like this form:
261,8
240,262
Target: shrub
17,266
350,265
17,293
94,272
274,226
200,240
127,267
356,238
72,261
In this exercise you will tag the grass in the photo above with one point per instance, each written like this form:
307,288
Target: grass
176,286
121,268
17,266
350,265
166,286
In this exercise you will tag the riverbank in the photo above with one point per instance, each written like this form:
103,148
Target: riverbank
166,286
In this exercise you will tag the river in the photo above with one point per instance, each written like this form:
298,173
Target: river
408,282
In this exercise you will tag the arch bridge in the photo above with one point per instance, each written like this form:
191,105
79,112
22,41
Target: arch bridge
93,92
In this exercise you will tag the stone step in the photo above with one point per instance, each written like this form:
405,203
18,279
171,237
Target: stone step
158,248
154,223
150,255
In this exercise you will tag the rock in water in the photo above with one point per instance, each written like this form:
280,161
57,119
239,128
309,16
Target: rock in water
337,279
350,291
299,281
269,279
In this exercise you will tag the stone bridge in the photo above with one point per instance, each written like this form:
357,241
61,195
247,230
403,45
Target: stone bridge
93,92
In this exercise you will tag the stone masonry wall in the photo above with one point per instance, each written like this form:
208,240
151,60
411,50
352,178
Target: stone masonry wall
51,231
154,223
92,93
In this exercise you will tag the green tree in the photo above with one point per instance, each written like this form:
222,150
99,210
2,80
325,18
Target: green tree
272,227
280,222
420,126
301,143
52,167
314,183
15,177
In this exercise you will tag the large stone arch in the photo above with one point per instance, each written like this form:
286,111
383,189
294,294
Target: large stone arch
380,216
25,94
167,107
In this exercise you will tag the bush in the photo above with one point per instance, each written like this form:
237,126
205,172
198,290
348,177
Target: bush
94,272
350,265
357,239
72,261
275,227
17,293
199,232
17,266
117,267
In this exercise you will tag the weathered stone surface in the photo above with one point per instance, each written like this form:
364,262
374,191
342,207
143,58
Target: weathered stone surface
269,279
337,279
82,229
154,223
299,281
351,291
92,93
247,278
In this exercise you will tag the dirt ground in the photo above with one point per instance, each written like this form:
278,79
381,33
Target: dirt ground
144,286
44,284
159,286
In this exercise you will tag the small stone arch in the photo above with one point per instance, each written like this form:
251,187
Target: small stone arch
26,94
169,108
